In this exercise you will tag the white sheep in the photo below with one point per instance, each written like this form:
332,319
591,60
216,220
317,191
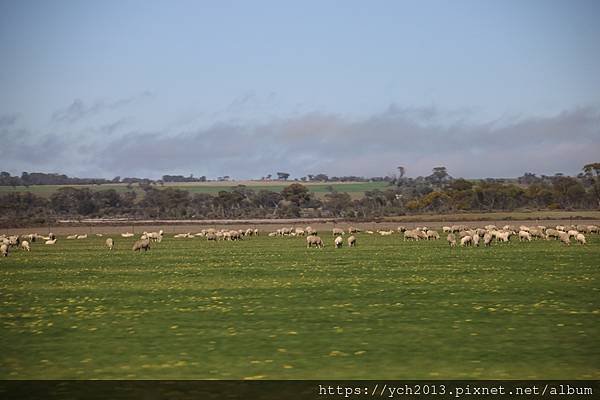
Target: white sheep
314,240
82,236
110,243
475,238
4,250
352,241
50,241
338,231
72,237
451,238
580,237
564,237
25,245
487,239
524,235
338,242
127,235
466,241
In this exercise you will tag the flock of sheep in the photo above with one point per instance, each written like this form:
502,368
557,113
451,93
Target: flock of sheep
456,235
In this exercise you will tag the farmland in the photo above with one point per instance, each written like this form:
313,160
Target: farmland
269,308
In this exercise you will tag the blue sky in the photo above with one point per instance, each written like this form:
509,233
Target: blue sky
248,88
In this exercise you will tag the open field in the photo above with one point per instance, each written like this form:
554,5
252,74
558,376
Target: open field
355,189
269,308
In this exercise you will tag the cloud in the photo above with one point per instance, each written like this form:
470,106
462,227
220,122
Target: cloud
416,138
78,110
8,120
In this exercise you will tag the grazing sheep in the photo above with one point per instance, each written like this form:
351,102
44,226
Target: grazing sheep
338,231
211,236
52,236
72,237
352,230
451,239
432,235
352,241
446,229
272,234
572,233
127,235
487,239
338,242
580,238
414,235
110,243
593,229
50,241
141,245
370,232
564,237
524,235
82,236
25,245
314,241
401,229
552,233
99,235
466,241
475,239
4,250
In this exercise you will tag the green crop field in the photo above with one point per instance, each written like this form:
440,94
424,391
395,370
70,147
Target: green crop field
269,308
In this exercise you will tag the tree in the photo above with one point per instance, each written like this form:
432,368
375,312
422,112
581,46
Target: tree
283,176
296,193
401,171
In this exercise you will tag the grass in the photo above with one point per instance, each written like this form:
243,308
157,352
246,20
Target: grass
268,308
356,189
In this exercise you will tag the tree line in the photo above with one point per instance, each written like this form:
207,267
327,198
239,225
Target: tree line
437,193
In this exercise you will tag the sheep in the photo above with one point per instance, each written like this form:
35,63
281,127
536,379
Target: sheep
82,236
487,239
352,230
451,239
446,229
593,229
52,236
385,233
272,234
72,237
352,241
338,242
4,250
552,233
466,241
401,229
99,235
127,235
580,237
572,233
564,237
414,235
370,232
14,240
25,245
110,243
475,239
141,245
432,235
211,236
524,235
314,240
338,231
50,241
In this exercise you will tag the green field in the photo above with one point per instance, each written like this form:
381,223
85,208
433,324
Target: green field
356,189
268,308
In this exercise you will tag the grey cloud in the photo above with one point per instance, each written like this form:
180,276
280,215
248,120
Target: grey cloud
417,138
8,120
373,146
78,110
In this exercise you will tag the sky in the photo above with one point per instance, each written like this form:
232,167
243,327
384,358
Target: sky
251,88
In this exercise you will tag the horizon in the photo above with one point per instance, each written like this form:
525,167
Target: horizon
487,89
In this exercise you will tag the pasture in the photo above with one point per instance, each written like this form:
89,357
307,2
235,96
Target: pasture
269,308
